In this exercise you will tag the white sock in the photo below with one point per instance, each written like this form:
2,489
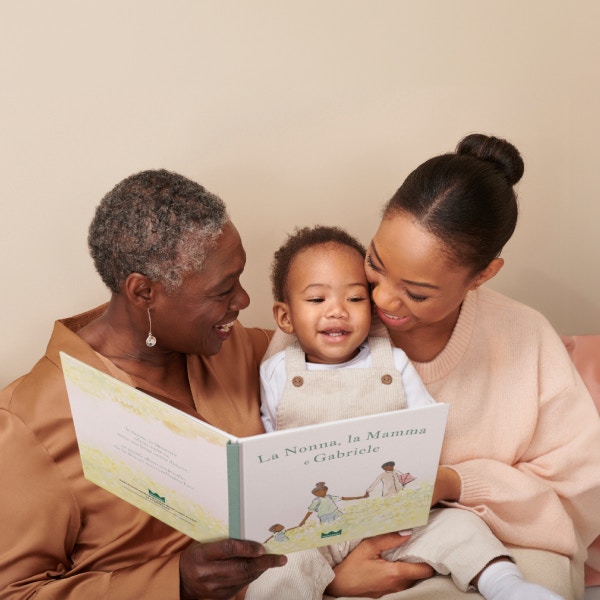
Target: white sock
503,580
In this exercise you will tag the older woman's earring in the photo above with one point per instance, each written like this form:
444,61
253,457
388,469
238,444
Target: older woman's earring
150,340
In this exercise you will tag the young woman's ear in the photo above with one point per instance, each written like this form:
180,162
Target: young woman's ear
281,313
490,271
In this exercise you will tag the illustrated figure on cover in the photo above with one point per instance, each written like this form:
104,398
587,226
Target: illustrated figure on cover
324,504
390,481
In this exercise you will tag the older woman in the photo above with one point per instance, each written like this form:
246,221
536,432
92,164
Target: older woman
172,259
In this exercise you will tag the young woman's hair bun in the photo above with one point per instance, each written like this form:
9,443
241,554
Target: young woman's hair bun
495,150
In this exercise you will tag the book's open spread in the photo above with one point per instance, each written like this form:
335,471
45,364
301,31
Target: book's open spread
292,489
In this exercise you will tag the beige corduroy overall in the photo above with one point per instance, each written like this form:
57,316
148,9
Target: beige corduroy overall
326,395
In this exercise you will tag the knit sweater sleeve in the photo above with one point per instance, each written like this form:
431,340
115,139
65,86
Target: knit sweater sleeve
524,437
547,498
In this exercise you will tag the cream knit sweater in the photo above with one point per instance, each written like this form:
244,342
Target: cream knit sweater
523,432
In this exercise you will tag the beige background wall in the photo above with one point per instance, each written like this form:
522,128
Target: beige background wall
295,112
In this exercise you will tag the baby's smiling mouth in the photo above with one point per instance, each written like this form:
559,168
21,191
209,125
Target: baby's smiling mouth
334,332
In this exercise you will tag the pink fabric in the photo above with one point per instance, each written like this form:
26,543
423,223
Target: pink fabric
585,353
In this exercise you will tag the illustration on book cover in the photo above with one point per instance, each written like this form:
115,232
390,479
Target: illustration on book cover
329,515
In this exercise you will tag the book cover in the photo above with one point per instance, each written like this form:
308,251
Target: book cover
292,489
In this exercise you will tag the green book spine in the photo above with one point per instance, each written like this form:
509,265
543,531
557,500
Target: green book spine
233,484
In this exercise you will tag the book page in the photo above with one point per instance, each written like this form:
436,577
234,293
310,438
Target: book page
282,470
160,459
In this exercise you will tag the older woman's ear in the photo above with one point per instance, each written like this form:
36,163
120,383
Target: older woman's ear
139,289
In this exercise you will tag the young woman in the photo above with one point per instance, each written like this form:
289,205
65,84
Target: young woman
522,446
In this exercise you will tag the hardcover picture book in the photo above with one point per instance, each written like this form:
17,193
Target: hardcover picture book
291,490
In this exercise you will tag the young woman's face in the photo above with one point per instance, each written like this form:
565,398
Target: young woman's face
328,306
414,282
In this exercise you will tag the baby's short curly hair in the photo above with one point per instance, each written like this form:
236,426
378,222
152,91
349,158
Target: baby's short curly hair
301,239
157,223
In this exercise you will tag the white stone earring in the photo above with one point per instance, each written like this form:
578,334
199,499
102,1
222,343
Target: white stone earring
150,340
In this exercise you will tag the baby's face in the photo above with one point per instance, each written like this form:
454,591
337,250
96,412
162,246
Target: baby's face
328,302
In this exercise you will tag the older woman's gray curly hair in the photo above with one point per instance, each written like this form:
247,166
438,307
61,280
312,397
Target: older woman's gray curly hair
157,223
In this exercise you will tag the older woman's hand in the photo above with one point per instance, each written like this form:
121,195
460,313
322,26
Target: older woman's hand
221,569
364,573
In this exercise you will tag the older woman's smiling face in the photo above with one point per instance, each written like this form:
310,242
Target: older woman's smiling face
196,318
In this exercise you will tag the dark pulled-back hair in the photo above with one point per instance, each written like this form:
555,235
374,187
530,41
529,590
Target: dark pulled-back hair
157,223
466,199
301,239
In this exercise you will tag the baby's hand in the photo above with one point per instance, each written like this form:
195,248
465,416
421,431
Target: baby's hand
447,486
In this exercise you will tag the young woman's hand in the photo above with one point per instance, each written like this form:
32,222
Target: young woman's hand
364,573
